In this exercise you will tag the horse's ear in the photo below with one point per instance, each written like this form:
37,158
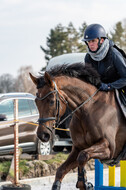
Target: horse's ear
48,79
34,79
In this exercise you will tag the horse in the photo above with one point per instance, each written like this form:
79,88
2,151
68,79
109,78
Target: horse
97,127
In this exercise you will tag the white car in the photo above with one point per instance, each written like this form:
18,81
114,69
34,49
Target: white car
66,59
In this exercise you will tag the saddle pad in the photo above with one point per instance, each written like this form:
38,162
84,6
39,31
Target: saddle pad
122,96
121,103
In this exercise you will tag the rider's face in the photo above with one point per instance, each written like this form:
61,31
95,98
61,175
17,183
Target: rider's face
93,44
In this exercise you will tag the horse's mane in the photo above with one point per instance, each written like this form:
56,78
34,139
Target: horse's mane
83,72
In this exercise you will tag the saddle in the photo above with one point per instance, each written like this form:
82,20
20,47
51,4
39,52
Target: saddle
121,99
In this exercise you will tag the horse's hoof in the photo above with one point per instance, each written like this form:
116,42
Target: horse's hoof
56,185
79,184
86,186
89,186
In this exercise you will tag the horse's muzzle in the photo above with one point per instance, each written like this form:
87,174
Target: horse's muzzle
43,136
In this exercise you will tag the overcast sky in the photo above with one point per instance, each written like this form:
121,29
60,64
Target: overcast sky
25,24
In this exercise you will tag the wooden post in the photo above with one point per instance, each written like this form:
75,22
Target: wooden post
16,151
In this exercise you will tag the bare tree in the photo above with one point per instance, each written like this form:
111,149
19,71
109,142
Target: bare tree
23,81
7,83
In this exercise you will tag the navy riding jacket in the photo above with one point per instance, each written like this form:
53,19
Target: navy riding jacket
112,68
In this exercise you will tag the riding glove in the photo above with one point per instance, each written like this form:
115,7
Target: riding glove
105,87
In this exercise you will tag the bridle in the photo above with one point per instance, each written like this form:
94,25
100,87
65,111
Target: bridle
42,121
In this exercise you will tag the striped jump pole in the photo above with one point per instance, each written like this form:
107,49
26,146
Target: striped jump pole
99,177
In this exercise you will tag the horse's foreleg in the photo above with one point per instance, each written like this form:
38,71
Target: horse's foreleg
99,150
69,164
82,183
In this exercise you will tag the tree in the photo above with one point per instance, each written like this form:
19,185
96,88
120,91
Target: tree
117,35
82,46
23,82
54,42
63,40
124,35
7,83
72,41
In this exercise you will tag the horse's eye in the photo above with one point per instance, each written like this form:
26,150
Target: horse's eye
51,102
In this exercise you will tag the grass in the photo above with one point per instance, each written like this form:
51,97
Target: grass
24,169
58,158
4,166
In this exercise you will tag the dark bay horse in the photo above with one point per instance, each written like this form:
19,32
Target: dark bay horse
98,128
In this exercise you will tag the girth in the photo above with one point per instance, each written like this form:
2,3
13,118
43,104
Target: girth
121,156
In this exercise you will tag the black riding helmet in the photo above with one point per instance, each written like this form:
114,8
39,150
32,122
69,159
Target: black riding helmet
94,31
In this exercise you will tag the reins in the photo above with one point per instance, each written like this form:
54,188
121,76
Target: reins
56,118
83,103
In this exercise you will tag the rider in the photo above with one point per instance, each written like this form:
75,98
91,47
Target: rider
106,59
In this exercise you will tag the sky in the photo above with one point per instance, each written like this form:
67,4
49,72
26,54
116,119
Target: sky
25,25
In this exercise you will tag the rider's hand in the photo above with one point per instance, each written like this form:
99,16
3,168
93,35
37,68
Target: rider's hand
105,87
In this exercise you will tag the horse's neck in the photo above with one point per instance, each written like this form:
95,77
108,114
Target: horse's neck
75,91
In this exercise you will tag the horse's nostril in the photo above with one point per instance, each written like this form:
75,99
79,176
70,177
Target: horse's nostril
44,137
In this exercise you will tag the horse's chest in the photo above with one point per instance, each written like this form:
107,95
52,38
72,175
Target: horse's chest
82,139
80,134
79,140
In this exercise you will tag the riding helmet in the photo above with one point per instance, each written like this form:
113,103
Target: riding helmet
94,31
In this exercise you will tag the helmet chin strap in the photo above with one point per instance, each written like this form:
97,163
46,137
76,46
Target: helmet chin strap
99,44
